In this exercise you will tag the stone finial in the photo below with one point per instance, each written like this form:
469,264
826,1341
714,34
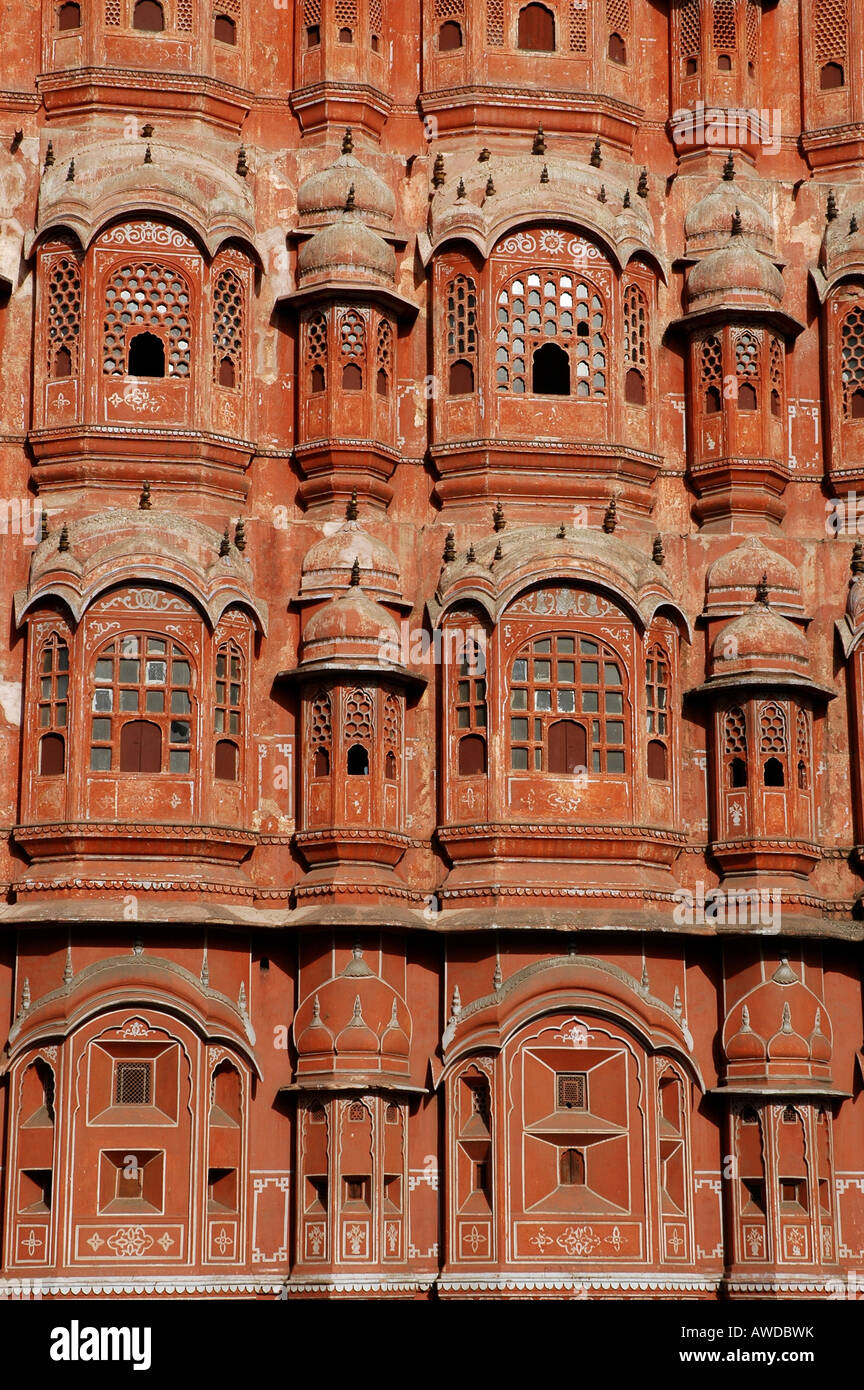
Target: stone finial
455,1003
539,146
241,998
352,511
350,200
148,156
225,544
490,187
25,996
484,156
729,168
63,543
831,207
644,983
762,590
449,548
44,523
439,177
853,225
601,196
348,141
596,154
642,185
460,189
544,174
677,1007
610,519
497,975
658,554
498,520
240,535
471,555
147,131
561,533
144,502
68,972
499,552
70,172
49,155
625,202
786,1024
737,225
242,167
355,573
205,969
856,564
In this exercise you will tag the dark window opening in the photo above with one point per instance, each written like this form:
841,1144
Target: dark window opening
133,1083
536,30
222,1189
375,43
382,383
773,774
69,17
227,373
317,380
775,402
831,76
313,36
226,760
224,29
148,16
481,1177
35,1190
461,381
617,49
802,776
472,756
62,363
357,1190
140,746
568,747
449,37
737,773
634,387
321,763
657,761
751,69
52,755
146,356
754,1193
691,67
358,761
724,63
551,371
571,1168
390,767
712,401
793,1190
352,377
346,35
856,405
746,396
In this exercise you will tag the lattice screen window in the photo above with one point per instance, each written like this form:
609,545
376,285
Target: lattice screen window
359,716
635,327
184,15
852,358
133,1083
228,330
311,12
830,28
316,351
571,1090
320,733
53,706
753,19
64,318
392,727
376,22
112,12
228,702
735,731
618,17
384,357
461,335
772,730
449,9
345,15
775,373
802,749
495,23
155,300
352,335
690,35
551,306
578,31
724,33
747,356
711,374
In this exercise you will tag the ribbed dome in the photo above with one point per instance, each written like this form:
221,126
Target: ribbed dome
745,1045
760,639
327,191
349,249
353,615
787,1045
355,1020
733,578
328,563
707,223
737,272
786,1012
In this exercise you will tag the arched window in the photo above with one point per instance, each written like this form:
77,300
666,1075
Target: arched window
469,702
228,329
617,49
634,387
392,740
52,755
352,377
224,29
53,684
352,338
802,749
690,35
36,1109
143,681
852,362
148,16
746,396
384,357
461,335
226,1096
568,747
359,731
748,348
146,301
536,29
773,744
657,712
618,29
544,307
449,36
64,317
320,734
228,710
316,351
69,17
831,76
471,760
358,761
571,1168
710,374
567,675
635,313
735,747
550,373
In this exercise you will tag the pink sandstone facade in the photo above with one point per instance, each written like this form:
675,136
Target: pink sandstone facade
431,673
